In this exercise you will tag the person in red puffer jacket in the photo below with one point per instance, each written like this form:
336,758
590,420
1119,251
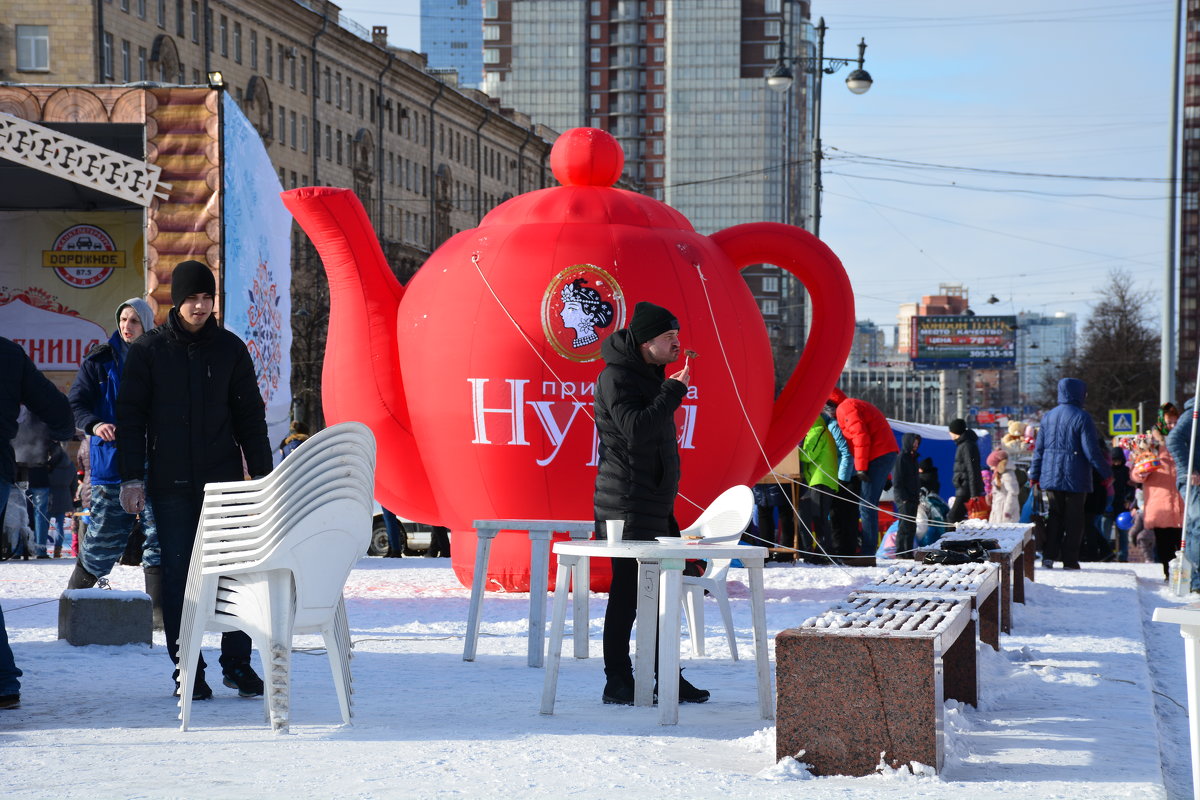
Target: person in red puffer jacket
874,449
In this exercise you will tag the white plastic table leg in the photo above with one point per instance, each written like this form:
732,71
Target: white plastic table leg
483,549
647,626
539,565
562,580
580,594
758,615
671,581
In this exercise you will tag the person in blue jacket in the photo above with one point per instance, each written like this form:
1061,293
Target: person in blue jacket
1068,449
94,401
1181,442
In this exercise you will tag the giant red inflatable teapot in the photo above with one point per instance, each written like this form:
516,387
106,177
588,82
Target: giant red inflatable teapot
477,377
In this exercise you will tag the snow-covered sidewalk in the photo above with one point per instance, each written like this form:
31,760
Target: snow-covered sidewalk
1086,700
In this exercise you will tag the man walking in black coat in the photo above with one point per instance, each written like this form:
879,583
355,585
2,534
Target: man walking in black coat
968,480
638,475
906,492
22,384
188,411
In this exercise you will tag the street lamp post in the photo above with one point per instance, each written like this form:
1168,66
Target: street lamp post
858,81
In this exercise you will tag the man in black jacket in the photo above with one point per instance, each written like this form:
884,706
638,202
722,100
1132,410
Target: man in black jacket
22,384
638,475
906,492
188,411
968,480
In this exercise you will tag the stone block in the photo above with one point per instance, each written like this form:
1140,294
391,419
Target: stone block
102,616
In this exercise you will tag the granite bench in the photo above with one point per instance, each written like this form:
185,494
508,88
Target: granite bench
979,582
871,676
1010,555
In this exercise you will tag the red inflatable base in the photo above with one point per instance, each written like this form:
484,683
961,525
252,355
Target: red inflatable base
508,563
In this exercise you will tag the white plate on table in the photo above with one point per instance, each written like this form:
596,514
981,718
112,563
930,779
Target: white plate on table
730,539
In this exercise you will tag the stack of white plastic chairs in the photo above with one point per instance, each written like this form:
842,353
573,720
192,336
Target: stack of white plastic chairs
272,556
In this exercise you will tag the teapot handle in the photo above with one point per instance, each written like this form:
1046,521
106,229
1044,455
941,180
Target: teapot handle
828,344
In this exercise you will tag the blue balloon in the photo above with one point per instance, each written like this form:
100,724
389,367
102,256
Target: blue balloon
1124,520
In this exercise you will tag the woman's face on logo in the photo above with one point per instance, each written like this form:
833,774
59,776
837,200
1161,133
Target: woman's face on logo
573,316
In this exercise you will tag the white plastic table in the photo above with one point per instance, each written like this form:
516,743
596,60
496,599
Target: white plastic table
540,531
660,582
1188,620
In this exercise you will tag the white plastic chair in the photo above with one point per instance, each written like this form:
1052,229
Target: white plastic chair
271,557
726,518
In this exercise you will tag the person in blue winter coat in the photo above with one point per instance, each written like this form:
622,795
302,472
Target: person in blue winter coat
94,401
1181,442
1068,449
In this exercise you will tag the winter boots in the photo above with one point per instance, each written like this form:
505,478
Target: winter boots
153,576
81,578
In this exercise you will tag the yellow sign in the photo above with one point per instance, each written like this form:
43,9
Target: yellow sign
1122,421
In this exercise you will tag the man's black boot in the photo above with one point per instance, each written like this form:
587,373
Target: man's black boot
81,578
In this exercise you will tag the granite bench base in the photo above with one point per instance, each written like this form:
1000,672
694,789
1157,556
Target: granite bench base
101,616
871,676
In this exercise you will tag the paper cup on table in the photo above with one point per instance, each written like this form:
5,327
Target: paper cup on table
616,530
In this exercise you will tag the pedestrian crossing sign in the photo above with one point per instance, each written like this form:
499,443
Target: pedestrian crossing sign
1121,421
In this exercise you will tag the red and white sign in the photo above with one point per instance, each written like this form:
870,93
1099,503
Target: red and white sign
54,340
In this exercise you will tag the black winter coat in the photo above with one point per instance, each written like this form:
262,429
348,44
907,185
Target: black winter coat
967,479
638,476
906,478
24,385
192,401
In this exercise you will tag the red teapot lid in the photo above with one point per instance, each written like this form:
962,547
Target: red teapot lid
587,162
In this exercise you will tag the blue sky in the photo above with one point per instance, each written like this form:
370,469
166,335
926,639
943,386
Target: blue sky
1055,87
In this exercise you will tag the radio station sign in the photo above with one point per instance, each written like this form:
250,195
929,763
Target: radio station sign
963,342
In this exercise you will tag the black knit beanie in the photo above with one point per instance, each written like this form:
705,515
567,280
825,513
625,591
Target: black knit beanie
958,426
649,321
191,277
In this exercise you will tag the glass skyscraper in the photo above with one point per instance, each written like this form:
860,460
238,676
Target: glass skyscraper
452,38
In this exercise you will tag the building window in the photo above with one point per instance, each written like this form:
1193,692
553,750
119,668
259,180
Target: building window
491,33
224,35
125,5
594,55
361,109
126,72
292,72
141,9
162,13
660,30
33,48
237,42
770,283
657,170
195,17
292,118
282,126
770,308
304,74
107,55
770,52
491,9
491,55
338,101
253,49
594,101
338,141
656,147
328,143
659,100
142,64
593,31
328,87
179,19
771,28
280,53
660,54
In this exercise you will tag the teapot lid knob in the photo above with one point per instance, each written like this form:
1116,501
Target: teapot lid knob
586,157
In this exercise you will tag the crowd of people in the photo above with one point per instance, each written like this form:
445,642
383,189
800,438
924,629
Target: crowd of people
165,409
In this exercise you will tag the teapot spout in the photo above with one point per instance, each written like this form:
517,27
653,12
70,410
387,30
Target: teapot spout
361,377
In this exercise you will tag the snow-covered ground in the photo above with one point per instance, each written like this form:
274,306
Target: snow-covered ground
1087,699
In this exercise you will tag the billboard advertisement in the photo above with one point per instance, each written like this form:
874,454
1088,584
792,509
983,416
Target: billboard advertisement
963,342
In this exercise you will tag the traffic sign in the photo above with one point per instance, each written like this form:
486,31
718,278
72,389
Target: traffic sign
1121,421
